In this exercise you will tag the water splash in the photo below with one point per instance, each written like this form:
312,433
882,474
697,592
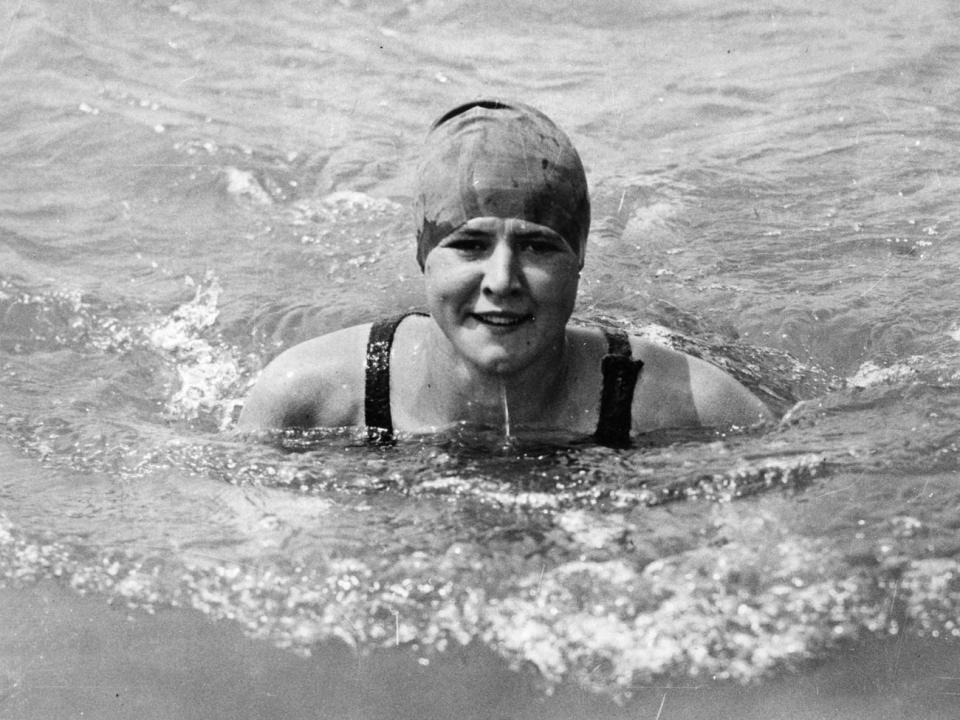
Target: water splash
207,370
763,601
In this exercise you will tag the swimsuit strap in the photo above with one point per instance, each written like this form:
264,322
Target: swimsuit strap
376,407
620,373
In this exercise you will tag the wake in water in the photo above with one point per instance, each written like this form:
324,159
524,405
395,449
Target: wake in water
679,558
781,203
754,600
207,370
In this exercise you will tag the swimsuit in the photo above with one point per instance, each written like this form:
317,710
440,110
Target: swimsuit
620,373
376,407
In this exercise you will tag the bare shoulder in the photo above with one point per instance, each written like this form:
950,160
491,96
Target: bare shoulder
317,383
679,390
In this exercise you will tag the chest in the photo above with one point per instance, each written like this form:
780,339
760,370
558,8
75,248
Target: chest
428,391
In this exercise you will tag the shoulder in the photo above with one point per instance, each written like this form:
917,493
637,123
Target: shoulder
319,382
678,390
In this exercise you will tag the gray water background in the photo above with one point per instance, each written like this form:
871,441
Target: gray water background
187,188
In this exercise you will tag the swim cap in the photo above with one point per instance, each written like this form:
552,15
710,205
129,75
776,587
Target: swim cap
489,158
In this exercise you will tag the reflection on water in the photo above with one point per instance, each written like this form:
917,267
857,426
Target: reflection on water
109,668
191,188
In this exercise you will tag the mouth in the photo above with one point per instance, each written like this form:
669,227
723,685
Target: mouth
501,319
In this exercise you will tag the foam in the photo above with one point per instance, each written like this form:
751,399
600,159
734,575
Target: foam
762,602
206,369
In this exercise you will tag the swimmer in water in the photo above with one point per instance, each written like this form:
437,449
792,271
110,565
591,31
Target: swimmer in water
503,213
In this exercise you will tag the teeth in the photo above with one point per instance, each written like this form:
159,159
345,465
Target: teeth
496,320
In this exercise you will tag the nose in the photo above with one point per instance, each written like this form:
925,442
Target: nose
502,272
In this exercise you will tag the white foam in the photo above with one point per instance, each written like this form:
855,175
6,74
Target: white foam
870,374
243,183
206,371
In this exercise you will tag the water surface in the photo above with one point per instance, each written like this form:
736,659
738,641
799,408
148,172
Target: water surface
188,188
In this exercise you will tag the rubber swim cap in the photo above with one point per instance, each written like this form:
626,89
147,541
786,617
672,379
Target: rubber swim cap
489,158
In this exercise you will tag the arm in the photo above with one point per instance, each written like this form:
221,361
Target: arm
318,383
678,390
720,400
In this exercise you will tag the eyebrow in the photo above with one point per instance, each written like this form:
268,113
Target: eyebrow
538,232
524,231
472,231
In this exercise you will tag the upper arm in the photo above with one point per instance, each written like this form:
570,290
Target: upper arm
285,395
318,383
679,390
722,401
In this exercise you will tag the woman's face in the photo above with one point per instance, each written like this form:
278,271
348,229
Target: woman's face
501,291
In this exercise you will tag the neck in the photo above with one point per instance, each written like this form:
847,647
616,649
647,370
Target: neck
461,391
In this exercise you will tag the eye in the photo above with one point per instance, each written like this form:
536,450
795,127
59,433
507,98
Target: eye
541,244
536,246
465,244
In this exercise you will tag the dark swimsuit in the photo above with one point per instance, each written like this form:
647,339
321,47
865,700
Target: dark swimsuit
620,374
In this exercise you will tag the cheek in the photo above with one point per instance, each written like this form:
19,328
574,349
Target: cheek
557,288
443,282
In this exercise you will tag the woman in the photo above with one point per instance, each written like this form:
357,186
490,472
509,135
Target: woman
503,215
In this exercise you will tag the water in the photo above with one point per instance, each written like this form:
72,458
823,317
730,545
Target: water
506,414
186,188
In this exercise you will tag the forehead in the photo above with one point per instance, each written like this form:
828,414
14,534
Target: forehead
489,224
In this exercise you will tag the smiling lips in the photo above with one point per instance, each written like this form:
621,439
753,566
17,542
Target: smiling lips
501,319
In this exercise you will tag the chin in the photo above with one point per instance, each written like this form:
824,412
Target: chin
499,363
501,368
502,354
